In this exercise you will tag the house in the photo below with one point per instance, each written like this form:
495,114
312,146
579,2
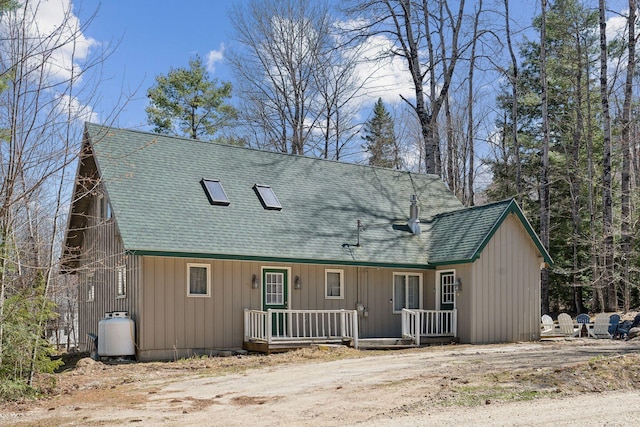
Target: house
210,246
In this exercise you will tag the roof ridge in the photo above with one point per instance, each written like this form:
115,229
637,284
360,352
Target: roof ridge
469,208
257,150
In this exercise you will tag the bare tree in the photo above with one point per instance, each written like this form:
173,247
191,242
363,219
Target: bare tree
607,198
339,90
513,79
426,35
625,179
471,96
291,80
545,205
41,108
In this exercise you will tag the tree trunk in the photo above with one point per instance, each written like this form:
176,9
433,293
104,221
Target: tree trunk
514,106
470,119
545,208
593,241
625,181
575,183
606,289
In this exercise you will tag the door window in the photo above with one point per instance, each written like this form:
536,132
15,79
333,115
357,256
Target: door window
274,288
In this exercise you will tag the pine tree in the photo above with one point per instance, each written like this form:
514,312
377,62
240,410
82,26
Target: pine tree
187,102
380,138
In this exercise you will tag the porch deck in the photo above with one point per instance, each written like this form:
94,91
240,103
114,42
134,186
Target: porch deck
283,330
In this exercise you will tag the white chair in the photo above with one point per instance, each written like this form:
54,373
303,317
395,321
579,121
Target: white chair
565,324
601,326
546,325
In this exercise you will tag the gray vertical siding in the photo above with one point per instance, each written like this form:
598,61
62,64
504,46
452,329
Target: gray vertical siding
501,302
175,325
102,253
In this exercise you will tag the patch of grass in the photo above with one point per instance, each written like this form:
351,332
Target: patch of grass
599,374
478,395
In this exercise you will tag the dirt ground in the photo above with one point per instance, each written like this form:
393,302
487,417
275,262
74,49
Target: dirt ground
562,382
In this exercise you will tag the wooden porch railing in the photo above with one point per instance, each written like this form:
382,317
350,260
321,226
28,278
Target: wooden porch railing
429,323
277,326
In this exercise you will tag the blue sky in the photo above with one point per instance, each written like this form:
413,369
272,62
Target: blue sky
150,41
151,37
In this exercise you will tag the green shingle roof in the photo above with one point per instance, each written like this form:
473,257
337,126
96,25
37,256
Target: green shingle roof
460,236
153,183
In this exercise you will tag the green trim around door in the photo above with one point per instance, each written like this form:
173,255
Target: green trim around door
275,295
447,294
275,288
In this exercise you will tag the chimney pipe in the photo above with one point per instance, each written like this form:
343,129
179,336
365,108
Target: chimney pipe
414,214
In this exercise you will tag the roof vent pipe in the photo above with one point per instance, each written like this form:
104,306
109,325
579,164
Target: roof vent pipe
414,213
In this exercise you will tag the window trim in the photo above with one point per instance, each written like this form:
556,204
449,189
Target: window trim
121,273
406,284
326,283
208,269
258,188
288,283
212,200
90,288
438,285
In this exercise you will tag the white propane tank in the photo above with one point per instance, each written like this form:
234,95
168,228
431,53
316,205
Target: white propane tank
119,336
102,333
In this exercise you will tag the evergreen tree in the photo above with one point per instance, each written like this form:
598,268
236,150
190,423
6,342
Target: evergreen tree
381,139
573,148
186,102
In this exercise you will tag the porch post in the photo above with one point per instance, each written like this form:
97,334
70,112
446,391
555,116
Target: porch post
404,323
269,331
355,329
246,324
417,320
454,322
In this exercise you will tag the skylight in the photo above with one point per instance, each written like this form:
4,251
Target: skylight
267,197
215,192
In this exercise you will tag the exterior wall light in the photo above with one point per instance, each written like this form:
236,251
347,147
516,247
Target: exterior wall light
458,285
254,282
297,283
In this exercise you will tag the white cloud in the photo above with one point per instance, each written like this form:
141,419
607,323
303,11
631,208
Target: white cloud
55,38
384,75
213,57
76,111
617,25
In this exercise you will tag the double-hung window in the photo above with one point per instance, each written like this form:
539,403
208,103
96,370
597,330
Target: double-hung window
121,281
104,208
198,280
91,288
334,284
407,291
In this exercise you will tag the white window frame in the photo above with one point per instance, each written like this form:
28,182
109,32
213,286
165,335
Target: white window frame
104,208
91,288
208,268
326,283
406,293
121,281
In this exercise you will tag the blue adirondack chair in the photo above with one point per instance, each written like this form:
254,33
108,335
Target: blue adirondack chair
623,330
614,322
583,320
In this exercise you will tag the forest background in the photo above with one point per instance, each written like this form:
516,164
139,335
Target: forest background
543,109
